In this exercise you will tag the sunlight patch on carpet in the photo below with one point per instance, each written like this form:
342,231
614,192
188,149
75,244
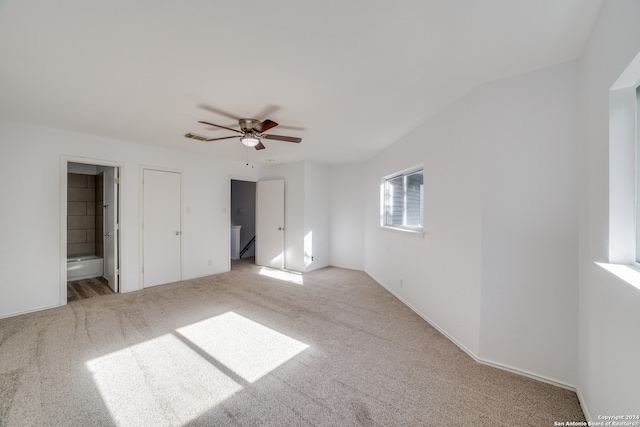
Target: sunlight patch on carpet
287,276
159,382
249,349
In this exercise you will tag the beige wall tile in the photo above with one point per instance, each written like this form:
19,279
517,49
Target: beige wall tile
76,180
76,236
76,208
81,194
79,249
80,222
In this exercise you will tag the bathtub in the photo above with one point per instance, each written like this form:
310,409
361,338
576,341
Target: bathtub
84,267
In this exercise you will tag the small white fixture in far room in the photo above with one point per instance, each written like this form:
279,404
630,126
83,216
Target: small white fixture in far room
235,241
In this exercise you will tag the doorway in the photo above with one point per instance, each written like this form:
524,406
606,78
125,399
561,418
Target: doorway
90,228
243,222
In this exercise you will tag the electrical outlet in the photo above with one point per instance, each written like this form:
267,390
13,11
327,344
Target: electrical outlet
311,259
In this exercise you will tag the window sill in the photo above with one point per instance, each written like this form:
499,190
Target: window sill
409,231
628,275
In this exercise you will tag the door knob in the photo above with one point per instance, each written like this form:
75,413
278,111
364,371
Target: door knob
107,234
280,228
177,233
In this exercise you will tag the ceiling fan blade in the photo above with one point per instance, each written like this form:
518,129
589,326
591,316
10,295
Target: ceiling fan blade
218,126
219,111
260,146
218,139
265,126
204,138
282,138
288,127
267,111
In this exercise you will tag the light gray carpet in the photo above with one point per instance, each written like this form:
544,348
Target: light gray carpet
246,349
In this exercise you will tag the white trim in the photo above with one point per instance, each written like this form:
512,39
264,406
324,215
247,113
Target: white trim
32,310
626,276
623,102
415,232
471,354
426,318
383,192
141,169
526,373
583,405
228,207
64,161
406,171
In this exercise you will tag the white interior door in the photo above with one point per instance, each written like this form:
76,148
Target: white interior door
111,227
270,223
161,225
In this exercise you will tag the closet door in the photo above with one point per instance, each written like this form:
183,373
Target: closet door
161,227
270,223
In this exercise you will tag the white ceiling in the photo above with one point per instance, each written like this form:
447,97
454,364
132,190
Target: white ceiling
348,77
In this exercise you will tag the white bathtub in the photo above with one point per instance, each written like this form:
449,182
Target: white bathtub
84,267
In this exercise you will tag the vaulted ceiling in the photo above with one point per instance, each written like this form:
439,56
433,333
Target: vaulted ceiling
348,77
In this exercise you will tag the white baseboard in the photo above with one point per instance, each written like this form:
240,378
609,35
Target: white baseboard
18,313
474,356
583,405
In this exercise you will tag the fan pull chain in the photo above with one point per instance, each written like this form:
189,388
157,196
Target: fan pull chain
248,149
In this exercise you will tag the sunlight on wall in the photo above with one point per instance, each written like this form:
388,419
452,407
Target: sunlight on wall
278,261
308,248
623,272
287,276
175,378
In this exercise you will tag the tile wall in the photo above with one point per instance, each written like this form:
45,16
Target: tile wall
83,208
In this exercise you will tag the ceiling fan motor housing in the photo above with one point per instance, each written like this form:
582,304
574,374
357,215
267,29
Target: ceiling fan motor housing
248,124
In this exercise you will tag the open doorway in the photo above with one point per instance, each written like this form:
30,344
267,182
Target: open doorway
91,218
243,222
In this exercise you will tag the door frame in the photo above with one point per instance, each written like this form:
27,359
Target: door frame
64,167
141,169
233,178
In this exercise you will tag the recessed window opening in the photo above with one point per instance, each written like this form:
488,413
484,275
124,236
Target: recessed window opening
403,200
637,174
624,168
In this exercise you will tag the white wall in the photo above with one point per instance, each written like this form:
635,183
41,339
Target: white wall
530,223
346,214
609,331
306,213
438,275
316,216
496,270
30,223
293,175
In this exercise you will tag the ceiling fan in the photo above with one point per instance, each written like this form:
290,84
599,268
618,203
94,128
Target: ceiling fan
251,132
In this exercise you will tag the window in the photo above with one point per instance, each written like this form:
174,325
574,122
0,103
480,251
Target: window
637,169
624,177
403,200
623,188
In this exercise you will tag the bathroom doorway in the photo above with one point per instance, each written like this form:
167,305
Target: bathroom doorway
243,222
91,229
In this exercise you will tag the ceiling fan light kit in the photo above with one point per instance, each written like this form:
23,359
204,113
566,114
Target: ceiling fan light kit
250,141
251,133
